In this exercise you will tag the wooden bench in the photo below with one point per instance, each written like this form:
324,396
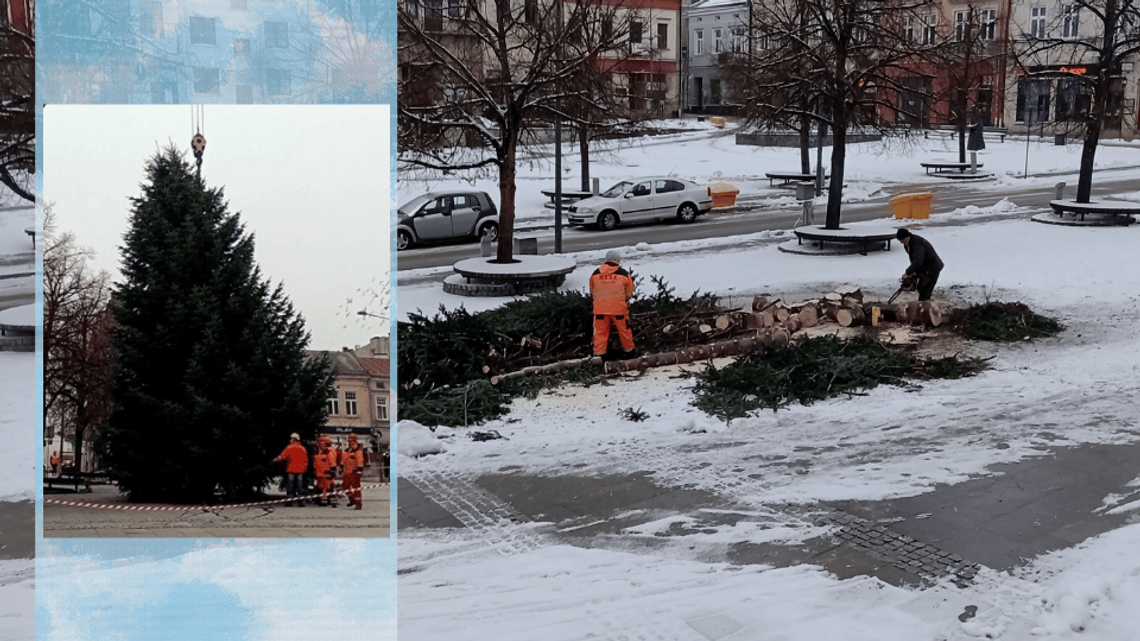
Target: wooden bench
790,178
947,167
949,131
74,481
1115,208
864,240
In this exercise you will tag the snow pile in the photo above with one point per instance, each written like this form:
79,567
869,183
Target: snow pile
416,440
17,600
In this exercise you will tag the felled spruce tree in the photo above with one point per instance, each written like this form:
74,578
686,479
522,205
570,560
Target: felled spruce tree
211,376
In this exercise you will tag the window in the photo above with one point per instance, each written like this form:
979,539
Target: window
276,35
150,19
960,25
662,35
1037,23
241,47
699,42
908,29
334,404
381,408
666,186
205,80
530,11
930,29
1071,102
607,30
987,23
737,38
718,40
277,82
1070,20
455,9
1032,101
350,408
714,86
635,29
642,189
201,31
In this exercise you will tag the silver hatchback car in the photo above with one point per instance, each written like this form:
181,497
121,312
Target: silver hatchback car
642,200
446,215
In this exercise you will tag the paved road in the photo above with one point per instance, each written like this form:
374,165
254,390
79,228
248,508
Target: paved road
749,218
276,521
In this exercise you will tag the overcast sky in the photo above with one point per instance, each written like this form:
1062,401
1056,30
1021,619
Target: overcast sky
312,183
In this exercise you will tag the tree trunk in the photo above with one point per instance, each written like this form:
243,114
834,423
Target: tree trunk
805,144
507,187
838,161
584,147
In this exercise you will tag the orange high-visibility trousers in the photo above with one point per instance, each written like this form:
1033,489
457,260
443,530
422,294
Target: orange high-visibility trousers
602,332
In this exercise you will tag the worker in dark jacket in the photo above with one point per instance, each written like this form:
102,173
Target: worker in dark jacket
925,265
611,286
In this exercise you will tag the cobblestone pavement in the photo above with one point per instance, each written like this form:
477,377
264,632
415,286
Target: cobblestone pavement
997,521
273,521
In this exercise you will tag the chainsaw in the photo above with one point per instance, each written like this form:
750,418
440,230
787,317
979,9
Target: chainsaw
909,284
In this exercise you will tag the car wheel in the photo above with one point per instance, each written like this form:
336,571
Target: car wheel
687,213
607,220
490,231
403,239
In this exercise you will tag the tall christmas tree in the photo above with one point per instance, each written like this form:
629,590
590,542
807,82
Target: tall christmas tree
211,376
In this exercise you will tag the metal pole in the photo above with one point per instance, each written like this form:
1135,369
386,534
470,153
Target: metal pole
558,185
1028,125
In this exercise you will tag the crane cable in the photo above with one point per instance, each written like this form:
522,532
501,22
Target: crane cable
198,141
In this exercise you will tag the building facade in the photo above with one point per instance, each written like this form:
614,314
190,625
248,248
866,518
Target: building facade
716,28
217,51
1049,89
361,400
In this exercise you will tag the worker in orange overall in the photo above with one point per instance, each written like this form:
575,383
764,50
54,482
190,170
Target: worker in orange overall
611,286
352,460
324,468
296,464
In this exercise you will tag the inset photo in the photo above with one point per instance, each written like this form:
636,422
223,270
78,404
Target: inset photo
216,321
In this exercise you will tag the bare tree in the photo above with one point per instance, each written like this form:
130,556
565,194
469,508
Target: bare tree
970,60
1084,48
481,79
841,62
78,355
17,108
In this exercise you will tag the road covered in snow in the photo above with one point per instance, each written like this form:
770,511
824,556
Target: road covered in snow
672,569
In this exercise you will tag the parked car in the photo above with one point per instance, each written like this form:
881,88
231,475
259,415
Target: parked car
642,200
446,215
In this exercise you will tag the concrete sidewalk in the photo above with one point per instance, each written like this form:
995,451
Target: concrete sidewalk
272,521
1000,521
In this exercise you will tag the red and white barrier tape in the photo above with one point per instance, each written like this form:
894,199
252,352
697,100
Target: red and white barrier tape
200,508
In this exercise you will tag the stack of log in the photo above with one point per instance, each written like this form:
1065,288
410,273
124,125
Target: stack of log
707,333
844,306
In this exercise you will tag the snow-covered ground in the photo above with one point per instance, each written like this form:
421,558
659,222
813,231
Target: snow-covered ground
709,155
1078,387
17,413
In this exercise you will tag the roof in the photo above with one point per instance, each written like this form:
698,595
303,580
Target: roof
376,367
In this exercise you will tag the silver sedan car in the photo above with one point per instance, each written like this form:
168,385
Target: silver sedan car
642,200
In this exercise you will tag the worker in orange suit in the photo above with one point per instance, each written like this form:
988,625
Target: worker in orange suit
324,468
296,464
611,286
352,460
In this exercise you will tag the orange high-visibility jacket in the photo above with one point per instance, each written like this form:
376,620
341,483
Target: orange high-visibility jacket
323,462
295,457
352,459
611,287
